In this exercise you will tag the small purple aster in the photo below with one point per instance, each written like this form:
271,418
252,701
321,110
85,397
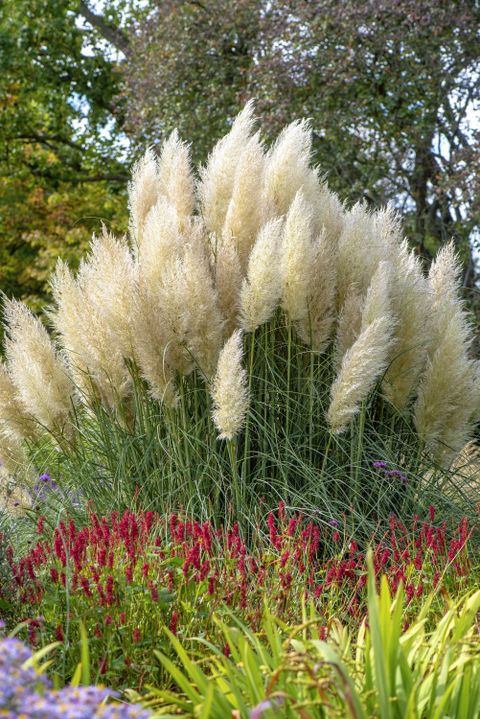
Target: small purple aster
379,464
334,522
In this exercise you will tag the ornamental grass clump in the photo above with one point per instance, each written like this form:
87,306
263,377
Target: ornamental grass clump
348,351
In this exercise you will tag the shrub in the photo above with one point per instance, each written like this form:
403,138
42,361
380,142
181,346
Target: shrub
252,297
127,577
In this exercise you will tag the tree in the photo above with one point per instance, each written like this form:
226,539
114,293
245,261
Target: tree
389,85
61,164
190,67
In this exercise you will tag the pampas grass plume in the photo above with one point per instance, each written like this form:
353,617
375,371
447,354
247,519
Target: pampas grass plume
362,366
175,178
297,259
411,305
230,391
218,177
316,328
245,210
142,193
287,167
15,422
228,282
449,394
43,386
262,288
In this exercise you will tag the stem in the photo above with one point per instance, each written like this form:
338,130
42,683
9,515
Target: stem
289,369
246,463
310,409
236,487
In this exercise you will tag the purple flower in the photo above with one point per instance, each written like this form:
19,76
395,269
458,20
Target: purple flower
397,474
264,706
379,464
334,522
24,693
44,477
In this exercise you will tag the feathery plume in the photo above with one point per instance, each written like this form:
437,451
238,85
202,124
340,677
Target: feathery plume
366,239
316,328
175,178
218,177
93,357
43,386
377,300
230,391
297,259
151,345
189,310
262,288
142,193
228,282
327,208
410,297
109,276
449,394
15,423
162,241
349,324
245,210
362,366
287,168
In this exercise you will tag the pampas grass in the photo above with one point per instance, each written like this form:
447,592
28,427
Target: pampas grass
229,391
253,306
43,386
448,399
262,288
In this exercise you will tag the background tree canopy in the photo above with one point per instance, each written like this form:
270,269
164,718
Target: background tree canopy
392,89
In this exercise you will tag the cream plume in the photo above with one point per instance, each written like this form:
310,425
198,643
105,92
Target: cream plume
297,259
362,366
218,177
228,283
189,310
411,305
449,394
316,328
287,168
43,386
326,207
245,210
162,240
15,422
109,277
142,193
151,342
262,288
366,239
175,178
230,391
95,361
348,324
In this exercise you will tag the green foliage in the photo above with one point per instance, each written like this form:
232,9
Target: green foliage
381,670
171,457
60,163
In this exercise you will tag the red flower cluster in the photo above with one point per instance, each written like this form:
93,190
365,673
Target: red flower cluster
180,562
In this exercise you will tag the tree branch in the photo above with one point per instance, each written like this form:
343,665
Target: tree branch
114,35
